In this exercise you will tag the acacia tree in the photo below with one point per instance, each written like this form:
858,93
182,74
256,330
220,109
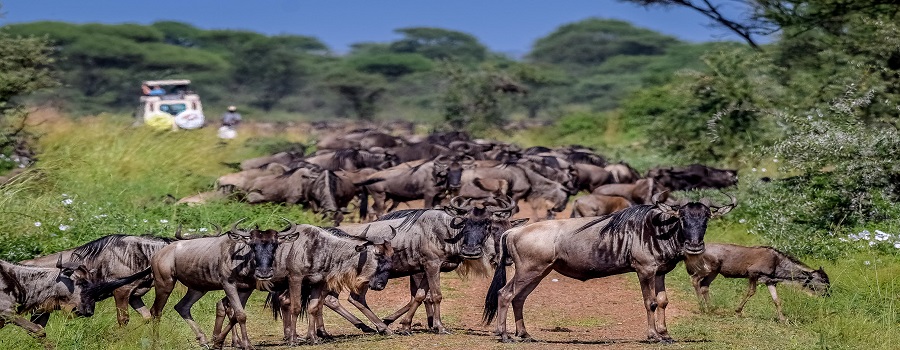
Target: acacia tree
476,99
25,67
362,91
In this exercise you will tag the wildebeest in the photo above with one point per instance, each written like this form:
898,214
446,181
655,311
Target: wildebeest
40,290
415,180
352,159
693,177
431,241
540,192
283,158
235,263
325,261
242,180
598,205
647,239
114,257
758,265
622,173
587,177
315,189
445,138
639,192
418,151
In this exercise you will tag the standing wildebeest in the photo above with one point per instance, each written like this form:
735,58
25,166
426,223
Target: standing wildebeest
114,257
757,264
235,263
647,239
416,180
622,173
693,177
314,188
523,183
325,261
40,290
598,205
352,159
431,241
587,177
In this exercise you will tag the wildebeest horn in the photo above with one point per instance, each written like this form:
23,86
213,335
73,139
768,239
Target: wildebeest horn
507,204
235,229
468,160
722,210
441,159
290,229
460,207
59,264
655,198
393,231
218,229
733,200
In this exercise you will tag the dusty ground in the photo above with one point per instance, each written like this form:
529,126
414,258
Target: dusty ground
562,313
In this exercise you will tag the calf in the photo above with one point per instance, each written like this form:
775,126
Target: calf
757,264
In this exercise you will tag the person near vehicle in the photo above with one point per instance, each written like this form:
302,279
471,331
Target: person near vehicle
231,118
155,91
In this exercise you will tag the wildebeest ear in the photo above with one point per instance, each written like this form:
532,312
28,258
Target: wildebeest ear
519,222
667,209
361,247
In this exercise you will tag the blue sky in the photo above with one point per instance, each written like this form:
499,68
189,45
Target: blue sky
506,26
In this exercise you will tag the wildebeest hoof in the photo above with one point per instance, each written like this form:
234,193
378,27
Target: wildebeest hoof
404,332
527,339
386,331
441,331
366,329
507,340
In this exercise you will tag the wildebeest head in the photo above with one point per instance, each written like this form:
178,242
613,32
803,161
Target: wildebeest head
693,218
448,170
81,291
817,283
476,223
263,244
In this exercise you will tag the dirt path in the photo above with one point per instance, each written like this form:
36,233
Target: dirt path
562,313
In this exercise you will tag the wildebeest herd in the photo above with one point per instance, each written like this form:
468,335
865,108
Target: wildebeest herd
471,189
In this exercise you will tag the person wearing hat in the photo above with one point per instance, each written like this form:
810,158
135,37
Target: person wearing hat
231,118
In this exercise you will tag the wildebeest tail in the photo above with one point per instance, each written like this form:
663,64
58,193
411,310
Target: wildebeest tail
490,301
273,300
105,289
305,296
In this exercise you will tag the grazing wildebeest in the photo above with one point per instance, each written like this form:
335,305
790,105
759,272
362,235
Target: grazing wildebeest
587,177
324,262
283,158
419,151
352,159
431,241
540,192
114,257
235,263
313,188
416,180
40,290
598,205
242,180
694,176
647,239
758,265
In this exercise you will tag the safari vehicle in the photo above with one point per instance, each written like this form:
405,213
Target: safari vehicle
170,104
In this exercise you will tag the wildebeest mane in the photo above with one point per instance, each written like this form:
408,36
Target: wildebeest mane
92,249
411,216
593,222
337,232
785,255
620,220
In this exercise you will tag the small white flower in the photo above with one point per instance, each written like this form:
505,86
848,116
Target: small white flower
67,201
164,221
742,221
63,227
842,239
867,263
753,170
192,230
897,245
37,224
71,219
145,220
872,243
775,160
64,195
203,229
881,236
865,234
763,169
853,237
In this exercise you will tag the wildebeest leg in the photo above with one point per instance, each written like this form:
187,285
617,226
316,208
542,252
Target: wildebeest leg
414,282
777,301
121,296
239,317
333,303
184,309
704,288
662,300
34,329
164,283
296,283
316,300
433,279
648,290
378,202
516,291
137,303
751,289
359,300
420,291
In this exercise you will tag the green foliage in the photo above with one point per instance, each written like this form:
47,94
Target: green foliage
590,42
439,44
268,70
476,99
360,91
390,65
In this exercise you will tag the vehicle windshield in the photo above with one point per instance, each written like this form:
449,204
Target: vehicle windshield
173,109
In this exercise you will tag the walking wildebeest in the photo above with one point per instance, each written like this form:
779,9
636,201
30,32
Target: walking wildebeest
692,177
431,241
323,262
114,257
647,239
40,290
757,264
235,263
